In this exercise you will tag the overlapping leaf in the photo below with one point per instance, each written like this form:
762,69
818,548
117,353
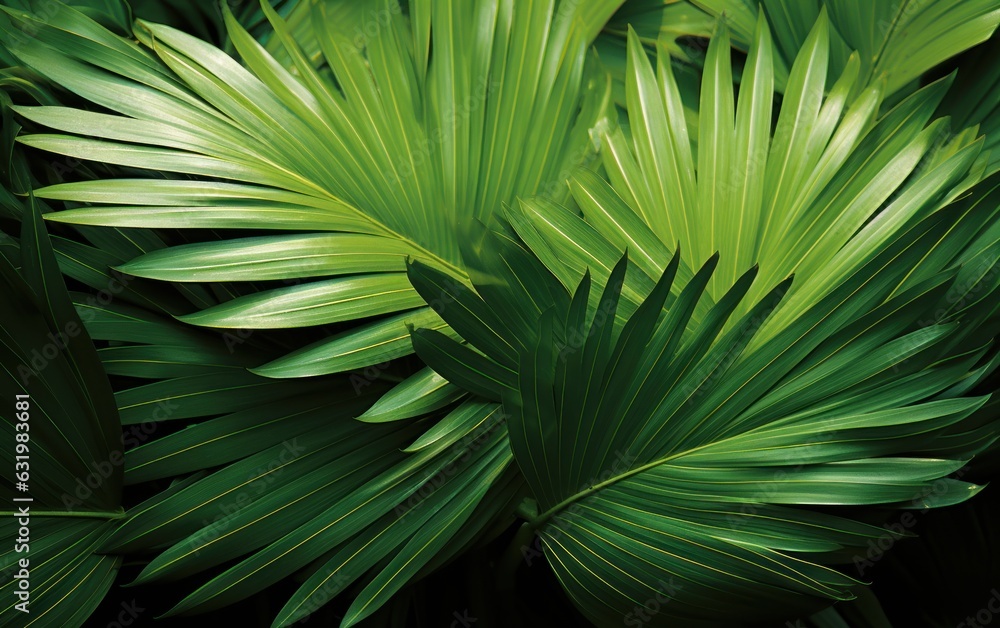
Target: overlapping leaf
64,444
676,448
661,457
676,427
896,40
397,146
817,196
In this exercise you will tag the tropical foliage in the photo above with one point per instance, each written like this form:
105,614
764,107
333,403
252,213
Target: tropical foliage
694,302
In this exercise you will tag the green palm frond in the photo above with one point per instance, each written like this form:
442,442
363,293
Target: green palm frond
895,41
700,317
818,199
662,448
397,153
976,96
658,455
275,461
65,445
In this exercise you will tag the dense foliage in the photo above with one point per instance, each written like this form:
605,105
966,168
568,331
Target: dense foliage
654,312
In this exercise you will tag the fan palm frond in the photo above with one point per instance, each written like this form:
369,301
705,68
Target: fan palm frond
66,455
700,339
385,151
693,456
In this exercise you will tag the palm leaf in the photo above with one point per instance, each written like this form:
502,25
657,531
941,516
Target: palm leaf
686,428
72,458
694,440
900,41
322,155
828,170
684,458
